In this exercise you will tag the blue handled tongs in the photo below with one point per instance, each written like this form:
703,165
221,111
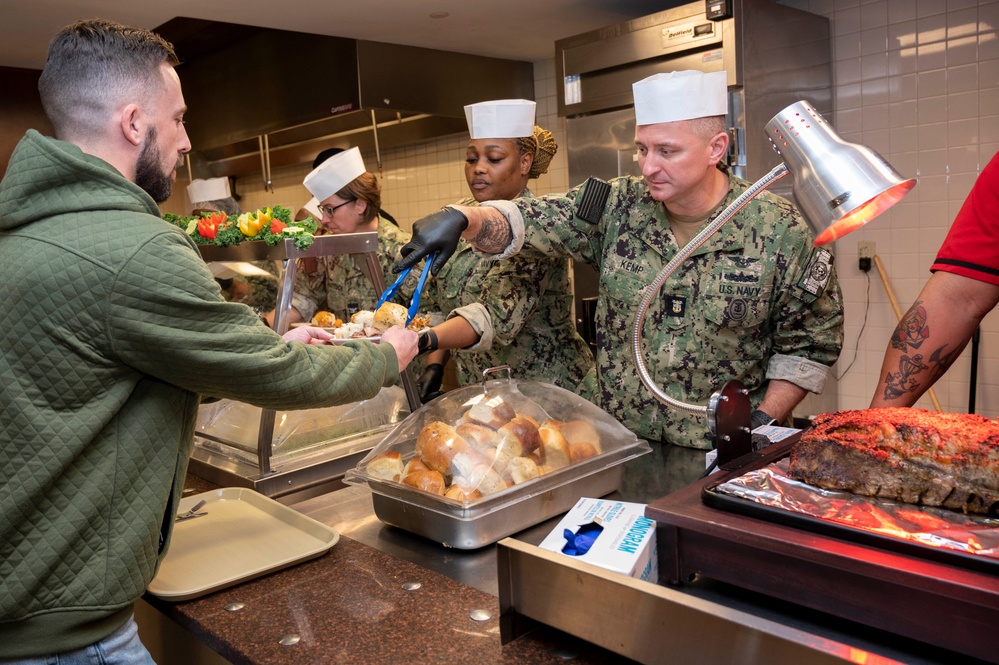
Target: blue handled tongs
414,304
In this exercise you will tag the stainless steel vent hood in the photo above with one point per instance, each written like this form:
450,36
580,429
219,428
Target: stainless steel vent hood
294,93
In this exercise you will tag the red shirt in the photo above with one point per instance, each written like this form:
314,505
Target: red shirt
971,248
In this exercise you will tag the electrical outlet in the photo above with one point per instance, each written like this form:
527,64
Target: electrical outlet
865,249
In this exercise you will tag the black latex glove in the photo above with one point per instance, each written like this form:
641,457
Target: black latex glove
429,383
439,232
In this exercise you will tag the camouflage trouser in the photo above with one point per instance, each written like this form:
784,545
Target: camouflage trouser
666,469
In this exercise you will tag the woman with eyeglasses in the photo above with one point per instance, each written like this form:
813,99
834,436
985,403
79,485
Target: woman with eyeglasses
515,312
349,200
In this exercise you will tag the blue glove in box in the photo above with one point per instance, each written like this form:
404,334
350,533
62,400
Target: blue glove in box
615,535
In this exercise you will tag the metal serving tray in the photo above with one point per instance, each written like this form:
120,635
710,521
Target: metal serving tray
764,490
483,522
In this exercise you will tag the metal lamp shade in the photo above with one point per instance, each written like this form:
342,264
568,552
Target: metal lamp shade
839,186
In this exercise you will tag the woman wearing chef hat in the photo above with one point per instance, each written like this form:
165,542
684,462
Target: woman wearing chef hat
348,201
311,207
515,312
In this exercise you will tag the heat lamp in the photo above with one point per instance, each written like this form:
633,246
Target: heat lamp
838,186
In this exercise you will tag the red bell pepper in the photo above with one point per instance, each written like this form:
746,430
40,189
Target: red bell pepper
208,226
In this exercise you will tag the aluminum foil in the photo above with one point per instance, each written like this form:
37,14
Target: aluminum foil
934,527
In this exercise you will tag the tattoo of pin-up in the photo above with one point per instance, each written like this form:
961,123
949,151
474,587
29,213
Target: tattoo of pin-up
897,384
912,330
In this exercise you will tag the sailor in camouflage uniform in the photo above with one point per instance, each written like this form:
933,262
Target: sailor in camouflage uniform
515,312
349,199
755,303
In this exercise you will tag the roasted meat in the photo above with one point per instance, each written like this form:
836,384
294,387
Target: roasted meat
910,455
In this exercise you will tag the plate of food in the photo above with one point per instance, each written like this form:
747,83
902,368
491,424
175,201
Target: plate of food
365,324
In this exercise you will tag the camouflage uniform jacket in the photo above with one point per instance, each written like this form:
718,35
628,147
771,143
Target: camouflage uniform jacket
340,283
521,308
755,302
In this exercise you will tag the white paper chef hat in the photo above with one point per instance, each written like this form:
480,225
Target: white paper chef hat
332,175
501,119
682,95
211,189
313,207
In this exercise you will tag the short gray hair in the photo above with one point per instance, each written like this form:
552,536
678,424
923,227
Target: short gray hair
709,126
92,66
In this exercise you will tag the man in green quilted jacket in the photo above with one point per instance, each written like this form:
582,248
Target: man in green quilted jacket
113,331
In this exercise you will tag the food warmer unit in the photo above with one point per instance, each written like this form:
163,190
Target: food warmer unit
281,452
846,555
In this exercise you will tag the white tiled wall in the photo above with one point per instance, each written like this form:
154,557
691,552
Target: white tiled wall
918,81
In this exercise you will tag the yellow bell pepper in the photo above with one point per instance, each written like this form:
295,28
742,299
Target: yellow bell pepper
250,224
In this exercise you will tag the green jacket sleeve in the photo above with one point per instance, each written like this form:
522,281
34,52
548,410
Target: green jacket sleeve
169,320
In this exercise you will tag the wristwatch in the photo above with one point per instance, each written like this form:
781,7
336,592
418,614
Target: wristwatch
427,342
761,418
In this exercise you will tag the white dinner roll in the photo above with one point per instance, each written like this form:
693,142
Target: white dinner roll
387,466
437,443
388,315
465,460
501,119
428,481
490,413
682,95
362,318
334,174
211,189
520,470
479,436
556,448
461,492
519,437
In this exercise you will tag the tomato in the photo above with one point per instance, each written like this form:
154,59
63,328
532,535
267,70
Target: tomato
277,226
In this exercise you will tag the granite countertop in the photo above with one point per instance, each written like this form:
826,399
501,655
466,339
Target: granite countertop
350,605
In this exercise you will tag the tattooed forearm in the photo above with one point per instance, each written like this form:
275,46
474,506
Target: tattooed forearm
941,361
912,370
494,235
912,329
904,381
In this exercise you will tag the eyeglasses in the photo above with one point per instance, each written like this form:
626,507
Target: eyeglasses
329,210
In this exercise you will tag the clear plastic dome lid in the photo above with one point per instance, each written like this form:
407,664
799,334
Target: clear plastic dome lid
496,438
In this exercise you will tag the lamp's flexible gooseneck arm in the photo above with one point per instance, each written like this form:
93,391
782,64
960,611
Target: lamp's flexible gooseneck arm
777,173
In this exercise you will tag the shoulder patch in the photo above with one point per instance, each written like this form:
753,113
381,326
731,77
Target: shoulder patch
817,273
591,204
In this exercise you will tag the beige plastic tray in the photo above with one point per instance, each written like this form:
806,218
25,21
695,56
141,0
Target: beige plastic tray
244,535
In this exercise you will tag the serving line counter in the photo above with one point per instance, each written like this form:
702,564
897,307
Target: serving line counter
383,595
